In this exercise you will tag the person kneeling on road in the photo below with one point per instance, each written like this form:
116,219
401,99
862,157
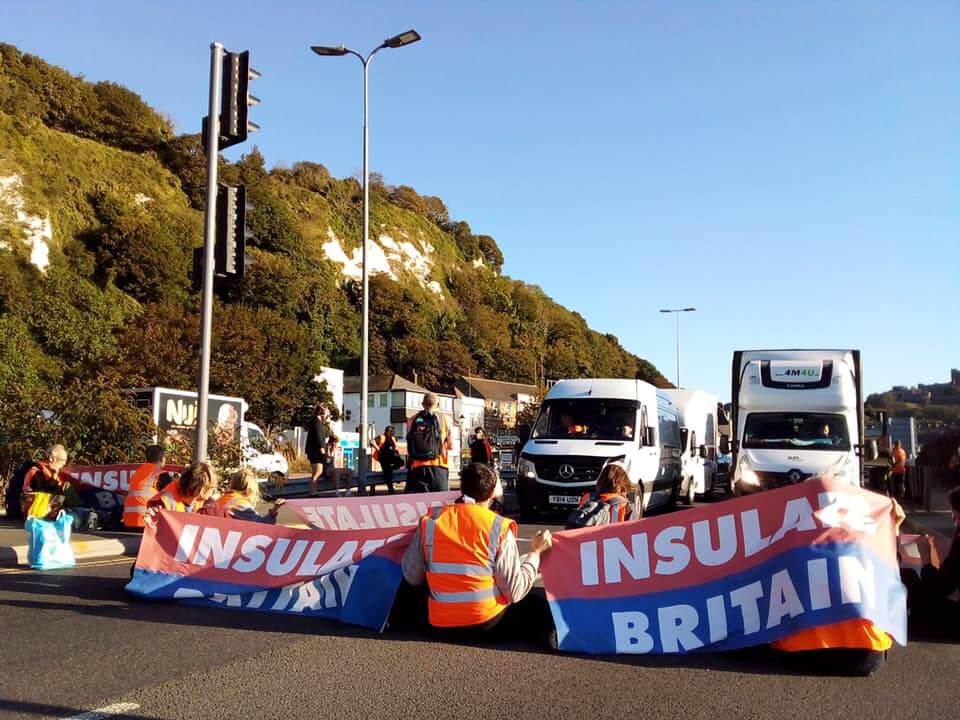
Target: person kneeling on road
850,647
476,578
242,497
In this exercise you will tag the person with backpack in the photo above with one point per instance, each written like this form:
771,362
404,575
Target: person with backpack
386,452
428,448
608,503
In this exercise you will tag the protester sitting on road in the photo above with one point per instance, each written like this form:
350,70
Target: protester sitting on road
242,497
196,484
476,578
928,593
143,486
609,503
852,647
44,476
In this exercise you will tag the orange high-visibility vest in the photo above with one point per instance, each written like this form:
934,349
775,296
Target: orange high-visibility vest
899,461
170,499
143,486
460,544
378,442
233,500
441,460
859,633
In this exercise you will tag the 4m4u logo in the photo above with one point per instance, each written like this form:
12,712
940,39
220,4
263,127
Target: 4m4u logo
800,372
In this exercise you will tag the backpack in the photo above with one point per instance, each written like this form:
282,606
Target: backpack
595,512
423,440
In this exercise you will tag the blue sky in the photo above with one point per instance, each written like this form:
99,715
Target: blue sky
792,169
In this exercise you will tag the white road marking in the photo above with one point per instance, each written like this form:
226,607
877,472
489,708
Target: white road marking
106,712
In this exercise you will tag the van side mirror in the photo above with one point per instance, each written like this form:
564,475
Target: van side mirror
646,437
684,437
703,452
724,445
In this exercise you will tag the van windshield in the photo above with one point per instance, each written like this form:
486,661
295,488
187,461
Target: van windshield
788,431
593,419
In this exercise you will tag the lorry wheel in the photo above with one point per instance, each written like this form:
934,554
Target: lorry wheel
691,493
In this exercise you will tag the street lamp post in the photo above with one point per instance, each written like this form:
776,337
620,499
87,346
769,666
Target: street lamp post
407,38
677,312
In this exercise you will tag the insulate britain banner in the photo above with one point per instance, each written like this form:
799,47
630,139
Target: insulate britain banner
363,513
348,576
744,572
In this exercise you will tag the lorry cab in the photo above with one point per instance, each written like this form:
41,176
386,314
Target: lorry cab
699,434
257,454
796,414
585,424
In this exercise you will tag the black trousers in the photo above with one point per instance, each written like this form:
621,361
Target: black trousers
847,662
429,478
527,620
387,479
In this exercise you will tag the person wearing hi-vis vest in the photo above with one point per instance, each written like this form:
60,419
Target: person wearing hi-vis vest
240,500
196,484
850,647
143,486
476,578
385,452
428,448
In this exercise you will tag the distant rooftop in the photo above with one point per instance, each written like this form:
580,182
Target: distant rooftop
496,390
382,383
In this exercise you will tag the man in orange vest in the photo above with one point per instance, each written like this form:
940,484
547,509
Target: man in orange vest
468,556
898,470
143,486
428,448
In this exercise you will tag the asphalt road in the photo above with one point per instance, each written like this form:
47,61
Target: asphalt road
72,641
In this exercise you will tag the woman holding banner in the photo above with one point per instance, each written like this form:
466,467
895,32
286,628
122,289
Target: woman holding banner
242,497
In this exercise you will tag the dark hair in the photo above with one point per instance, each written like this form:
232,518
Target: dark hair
613,479
155,453
479,429
478,481
953,497
388,429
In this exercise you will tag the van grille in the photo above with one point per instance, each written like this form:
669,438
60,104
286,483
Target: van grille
585,469
781,479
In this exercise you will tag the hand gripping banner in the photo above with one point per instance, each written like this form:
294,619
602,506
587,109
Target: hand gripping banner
744,572
349,576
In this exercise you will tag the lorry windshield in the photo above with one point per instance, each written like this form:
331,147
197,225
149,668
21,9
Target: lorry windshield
789,431
593,419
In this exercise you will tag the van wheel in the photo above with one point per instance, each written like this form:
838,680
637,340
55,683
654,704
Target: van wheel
638,504
691,493
674,494
528,514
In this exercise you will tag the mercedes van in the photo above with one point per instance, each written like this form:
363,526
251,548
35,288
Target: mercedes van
585,424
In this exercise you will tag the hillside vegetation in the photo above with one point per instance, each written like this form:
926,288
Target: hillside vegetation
101,299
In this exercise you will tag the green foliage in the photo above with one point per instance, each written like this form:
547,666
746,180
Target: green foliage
115,310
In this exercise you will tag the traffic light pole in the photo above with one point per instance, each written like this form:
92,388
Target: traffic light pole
209,240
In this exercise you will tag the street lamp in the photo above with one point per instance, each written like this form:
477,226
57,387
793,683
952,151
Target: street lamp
677,312
405,38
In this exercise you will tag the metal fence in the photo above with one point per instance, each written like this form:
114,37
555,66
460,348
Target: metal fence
928,486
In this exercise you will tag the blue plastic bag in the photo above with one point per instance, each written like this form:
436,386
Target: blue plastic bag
49,543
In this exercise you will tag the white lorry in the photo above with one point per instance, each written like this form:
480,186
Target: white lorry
583,425
795,414
699,436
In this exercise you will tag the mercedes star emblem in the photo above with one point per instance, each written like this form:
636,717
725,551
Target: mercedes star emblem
566,471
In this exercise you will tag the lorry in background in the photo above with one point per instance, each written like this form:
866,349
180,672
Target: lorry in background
795,414
699,437
585,424
175,415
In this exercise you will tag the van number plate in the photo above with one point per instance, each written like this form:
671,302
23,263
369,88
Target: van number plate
564,499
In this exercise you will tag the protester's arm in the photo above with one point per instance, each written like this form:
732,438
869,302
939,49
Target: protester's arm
251,515
940,582
515,575
413,566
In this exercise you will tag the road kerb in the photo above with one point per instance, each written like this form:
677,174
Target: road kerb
16,555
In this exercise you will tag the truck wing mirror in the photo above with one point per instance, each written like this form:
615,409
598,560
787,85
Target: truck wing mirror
684,437
703,452
646,438
724,445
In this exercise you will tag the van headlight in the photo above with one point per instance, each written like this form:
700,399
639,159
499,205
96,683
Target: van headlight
748,475
526,469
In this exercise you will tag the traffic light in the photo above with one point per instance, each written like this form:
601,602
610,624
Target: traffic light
235,100
231,241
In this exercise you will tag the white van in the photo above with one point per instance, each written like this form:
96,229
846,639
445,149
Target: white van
796,413
699,436
269,465
584,424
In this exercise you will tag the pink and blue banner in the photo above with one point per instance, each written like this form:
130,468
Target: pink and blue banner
362,513
745,572
347,576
